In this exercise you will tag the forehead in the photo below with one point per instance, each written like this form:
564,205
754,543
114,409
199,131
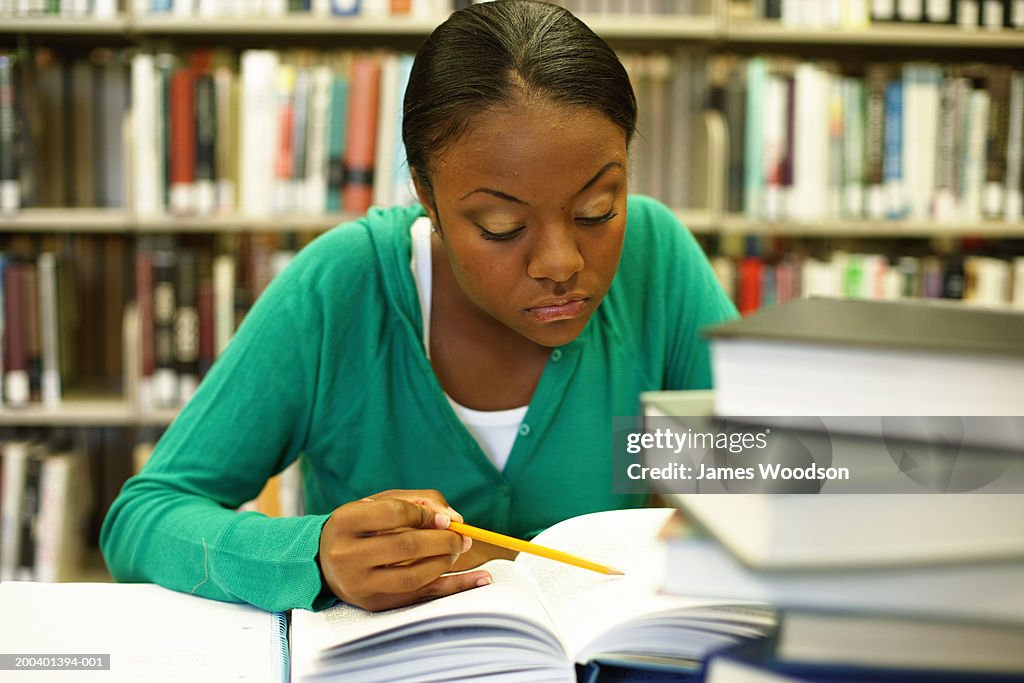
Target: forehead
533,150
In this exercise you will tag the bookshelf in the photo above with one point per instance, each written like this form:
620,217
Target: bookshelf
685,43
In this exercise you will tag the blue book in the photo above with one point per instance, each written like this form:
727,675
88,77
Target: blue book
892,163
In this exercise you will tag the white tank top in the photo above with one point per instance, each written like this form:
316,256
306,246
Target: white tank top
494,430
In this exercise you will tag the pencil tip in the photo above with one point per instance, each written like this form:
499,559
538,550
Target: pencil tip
615,572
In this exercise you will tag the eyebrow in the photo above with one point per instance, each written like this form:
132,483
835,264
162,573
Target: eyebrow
507,197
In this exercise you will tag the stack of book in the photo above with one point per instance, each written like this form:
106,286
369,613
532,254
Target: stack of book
873,585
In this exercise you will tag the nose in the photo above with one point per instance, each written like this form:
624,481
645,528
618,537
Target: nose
555,255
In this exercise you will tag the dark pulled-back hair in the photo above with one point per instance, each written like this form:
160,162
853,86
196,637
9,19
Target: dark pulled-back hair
494,53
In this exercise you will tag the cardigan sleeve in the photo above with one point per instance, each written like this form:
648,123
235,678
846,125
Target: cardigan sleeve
176,524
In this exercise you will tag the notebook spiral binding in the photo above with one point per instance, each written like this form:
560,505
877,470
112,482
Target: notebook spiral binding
279,646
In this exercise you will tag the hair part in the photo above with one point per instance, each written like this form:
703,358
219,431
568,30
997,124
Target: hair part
503,52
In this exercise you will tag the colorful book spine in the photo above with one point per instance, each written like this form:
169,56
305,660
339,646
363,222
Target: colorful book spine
360,148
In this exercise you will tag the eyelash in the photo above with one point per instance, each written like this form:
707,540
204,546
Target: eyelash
506,236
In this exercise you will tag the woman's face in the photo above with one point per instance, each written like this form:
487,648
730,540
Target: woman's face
531,207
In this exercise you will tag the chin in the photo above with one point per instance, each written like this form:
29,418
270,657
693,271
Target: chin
557,333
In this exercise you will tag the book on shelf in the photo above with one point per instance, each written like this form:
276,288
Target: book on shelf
756,281
535,619
869,145
44,506
144,632
856,357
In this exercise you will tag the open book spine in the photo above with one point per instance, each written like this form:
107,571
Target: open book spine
279,646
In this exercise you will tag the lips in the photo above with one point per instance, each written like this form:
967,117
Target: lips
564,308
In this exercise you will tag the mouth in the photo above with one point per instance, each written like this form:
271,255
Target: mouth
558,309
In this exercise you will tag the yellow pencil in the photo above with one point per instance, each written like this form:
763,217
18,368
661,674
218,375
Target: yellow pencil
527,547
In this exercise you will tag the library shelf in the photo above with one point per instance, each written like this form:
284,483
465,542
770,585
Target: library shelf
67,220
734,223
880,34
52,25
227,224
295,24
91,412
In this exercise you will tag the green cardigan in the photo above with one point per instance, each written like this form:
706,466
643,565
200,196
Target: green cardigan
329,364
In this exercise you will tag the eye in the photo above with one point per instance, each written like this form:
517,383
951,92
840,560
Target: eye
596,220
499,236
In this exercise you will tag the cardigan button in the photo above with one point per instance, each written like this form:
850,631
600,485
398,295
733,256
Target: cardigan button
524,429
556,355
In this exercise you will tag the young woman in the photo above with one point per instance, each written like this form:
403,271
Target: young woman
466,353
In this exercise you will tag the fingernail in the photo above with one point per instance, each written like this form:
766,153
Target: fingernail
455,515
466,543
483,581
441,520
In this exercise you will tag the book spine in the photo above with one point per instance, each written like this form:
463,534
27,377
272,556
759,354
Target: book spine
10,182
182,142
854,147
300,141
338,125
207,322
874,152
33,343
144,306
14,464
186,325
51,384
753,161
944,207
224,301
1015,149
16,381
226,148
165,375
258,125
26,565
206,141
998,83
145,156
284,159
893,156
315,193
360,148
973,172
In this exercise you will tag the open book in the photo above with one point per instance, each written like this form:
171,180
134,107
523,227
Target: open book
536,619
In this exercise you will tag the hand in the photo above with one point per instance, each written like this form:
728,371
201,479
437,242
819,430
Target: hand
391,549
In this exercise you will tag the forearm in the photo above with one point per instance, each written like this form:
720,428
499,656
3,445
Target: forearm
157,534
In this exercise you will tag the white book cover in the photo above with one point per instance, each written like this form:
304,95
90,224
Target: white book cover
973,162
922,94
14,455
810,144
223,301
258,131
387,131
315,195
183,8
104,9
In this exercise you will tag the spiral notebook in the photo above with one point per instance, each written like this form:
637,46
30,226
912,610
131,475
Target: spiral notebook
149,634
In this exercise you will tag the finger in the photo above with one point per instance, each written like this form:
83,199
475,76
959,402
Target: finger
367,518
407,578
429,497
411,545
439,588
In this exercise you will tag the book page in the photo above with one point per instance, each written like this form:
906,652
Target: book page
498,613
151,633
586,605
